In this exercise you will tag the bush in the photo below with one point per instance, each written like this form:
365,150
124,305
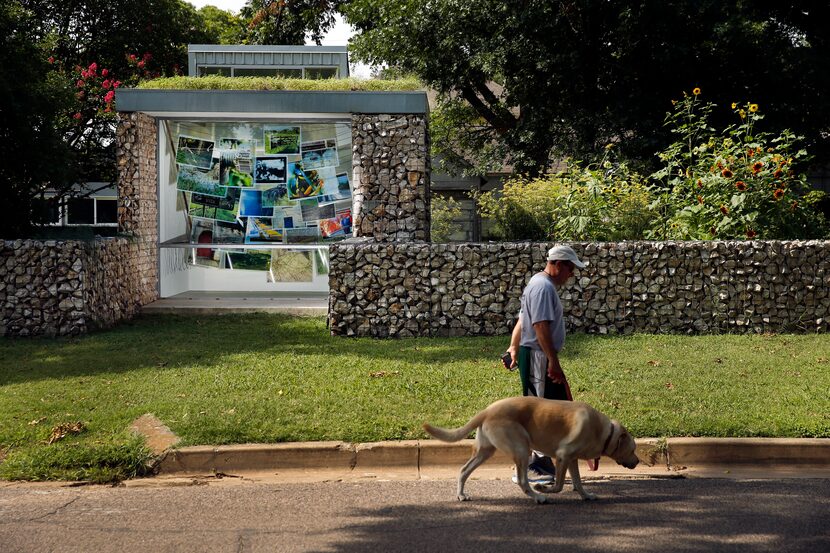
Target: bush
606,202
443,213
734,184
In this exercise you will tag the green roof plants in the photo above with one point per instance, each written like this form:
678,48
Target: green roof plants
214,82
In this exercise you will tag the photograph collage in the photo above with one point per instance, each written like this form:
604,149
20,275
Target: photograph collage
254,184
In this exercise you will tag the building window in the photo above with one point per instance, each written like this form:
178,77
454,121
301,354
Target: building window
106,211
320,72
80,211
254,72
46,211
223,71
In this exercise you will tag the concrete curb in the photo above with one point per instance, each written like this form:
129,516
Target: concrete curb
422,454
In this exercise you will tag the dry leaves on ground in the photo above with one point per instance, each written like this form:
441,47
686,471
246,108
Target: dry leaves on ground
64,429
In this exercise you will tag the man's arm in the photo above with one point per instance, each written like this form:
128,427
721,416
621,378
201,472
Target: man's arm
555,372
515,339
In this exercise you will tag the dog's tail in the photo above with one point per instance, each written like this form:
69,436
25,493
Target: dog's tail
455,434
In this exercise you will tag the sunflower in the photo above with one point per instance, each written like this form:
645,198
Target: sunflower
742,113
724,209
696,91
778,194
753,108
726,173
757,166
734,105
778,174
740,185
700,199
750,233
699,183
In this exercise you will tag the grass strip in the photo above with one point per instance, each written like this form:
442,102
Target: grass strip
271,378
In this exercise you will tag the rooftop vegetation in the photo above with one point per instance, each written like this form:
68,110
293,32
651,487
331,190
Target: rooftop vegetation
215,82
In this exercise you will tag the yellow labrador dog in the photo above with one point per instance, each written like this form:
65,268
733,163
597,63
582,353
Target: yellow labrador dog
564,430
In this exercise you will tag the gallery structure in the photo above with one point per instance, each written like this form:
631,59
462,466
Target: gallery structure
244,190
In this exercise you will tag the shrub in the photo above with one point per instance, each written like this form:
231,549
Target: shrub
606,201
444,211
734,184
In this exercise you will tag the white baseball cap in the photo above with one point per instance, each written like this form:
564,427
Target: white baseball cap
565,253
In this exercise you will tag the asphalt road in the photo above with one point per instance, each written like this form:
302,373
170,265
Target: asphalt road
237,515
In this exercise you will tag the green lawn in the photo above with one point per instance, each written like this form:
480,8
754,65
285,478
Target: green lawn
268,378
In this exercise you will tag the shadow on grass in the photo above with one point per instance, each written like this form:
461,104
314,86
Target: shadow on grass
163,342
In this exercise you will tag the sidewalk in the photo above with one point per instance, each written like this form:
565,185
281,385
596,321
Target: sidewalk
431,459
218,303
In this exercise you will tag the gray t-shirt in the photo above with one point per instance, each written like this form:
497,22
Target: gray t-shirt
540,302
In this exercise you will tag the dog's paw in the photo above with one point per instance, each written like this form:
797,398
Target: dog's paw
589,496
463,497
541,499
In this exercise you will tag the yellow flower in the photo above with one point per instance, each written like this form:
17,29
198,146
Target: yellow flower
753,108
696,91
742,113
734,105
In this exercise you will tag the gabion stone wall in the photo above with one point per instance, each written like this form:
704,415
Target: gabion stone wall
399,290
59,288
390,165
137,155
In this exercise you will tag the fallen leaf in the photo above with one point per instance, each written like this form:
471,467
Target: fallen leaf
669,385
381,374
37,421
64,429
654,363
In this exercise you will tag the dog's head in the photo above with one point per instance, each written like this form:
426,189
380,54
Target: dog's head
622,447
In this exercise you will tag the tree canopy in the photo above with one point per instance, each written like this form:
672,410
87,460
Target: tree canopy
287,21
532,81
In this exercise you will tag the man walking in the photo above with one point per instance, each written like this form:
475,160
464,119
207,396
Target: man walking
538,338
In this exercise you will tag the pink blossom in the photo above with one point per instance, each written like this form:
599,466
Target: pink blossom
140,64
147,56
105,72
116,84
80,83
80,95
93,67
109,96
106,83
51,59
77,116
84,74
132,57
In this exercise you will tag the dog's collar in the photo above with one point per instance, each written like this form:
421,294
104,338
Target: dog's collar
608,441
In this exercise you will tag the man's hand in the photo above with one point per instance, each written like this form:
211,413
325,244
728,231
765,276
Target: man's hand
514,355
555,372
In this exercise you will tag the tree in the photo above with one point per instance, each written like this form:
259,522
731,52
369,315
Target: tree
222,26
288,21
532,81
34,151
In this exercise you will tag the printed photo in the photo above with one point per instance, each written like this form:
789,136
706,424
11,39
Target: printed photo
320,153
275,196
310,183
191,179
339,226
290,266
213,207
250,260
270,170
310,209
228,233
250,204
194,152
261,230
302,235
281,139
288,217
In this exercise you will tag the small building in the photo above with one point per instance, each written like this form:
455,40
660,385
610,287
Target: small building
296,62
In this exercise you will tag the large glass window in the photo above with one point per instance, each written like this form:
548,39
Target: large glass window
247,190
80,211
320,72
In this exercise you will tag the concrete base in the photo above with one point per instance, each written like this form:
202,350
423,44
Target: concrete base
217,303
